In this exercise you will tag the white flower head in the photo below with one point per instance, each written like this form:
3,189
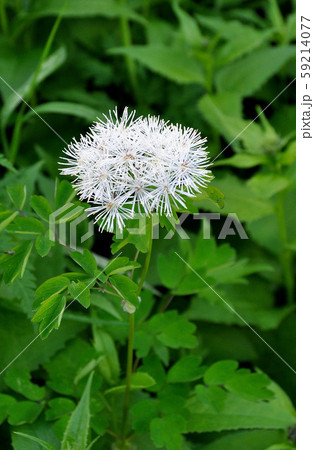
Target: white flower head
125,166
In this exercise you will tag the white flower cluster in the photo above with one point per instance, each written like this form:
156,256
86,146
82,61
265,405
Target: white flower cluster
125,166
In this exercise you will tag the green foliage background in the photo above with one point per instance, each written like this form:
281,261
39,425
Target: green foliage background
203,379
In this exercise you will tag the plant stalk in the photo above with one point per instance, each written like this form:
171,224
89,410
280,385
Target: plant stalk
129,367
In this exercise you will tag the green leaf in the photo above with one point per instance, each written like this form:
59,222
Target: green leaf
26,226
6,401
168,62
18,195
109,366
43,244
50,314
4,162
49,288
170,269
173,330
250,385
186,369
166,431
237,413
64,194
143,412
86,260
120,264
14,263
47,68
139,380
41,207
211,395
126,288
76,433
24,412
220,372
80,292
68,108
242,161
247,75
59,407
6,217
19,380
79,8
45,445
188,25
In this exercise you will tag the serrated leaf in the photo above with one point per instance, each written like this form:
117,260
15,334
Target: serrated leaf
19,380
167,431
86,260
186,369
173,330
41,207
211,395
76,433
43,244
80,292
220,372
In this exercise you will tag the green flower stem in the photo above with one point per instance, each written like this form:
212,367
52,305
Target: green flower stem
129,366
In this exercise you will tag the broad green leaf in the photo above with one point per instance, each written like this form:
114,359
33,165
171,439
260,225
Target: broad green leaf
27,227
152,365
240,198
80,292
247,75
143,412
6,217
24,412
76,433
252,439
251,386
52,63
43,244
70,109
45,445
268,184
238,413
166,431
126,288
41,207
186,369
139,380
50,314
49,288
64,193
86,260
18,195
170,269
120,264
172,63
59,407
109,366
6,401
20,381
14,263
189,26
